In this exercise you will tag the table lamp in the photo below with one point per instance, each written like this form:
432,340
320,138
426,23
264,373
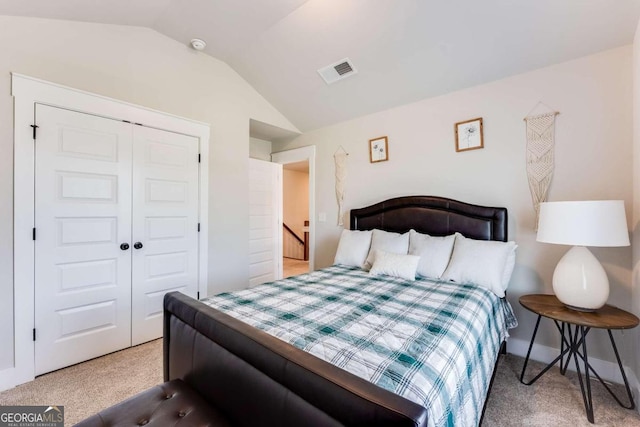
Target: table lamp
579,281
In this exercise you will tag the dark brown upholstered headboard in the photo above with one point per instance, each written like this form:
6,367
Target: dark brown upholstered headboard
432,215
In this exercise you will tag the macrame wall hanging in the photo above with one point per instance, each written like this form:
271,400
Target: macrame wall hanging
340,158
540,158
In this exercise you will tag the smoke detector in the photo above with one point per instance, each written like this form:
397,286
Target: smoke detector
198,44
337,71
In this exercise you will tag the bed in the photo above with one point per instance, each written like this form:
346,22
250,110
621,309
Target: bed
430,341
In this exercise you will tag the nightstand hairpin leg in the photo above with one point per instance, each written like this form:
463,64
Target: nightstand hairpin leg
565,343
549,366
631,404
574,326
526,359
575,345
574,342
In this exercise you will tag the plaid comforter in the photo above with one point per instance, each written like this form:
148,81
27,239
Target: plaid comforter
434,343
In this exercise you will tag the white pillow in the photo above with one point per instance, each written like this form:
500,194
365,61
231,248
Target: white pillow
396,265
434,253
508,267
353,248
389,242
482,262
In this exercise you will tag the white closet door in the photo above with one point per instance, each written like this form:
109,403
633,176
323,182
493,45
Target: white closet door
82,216
165,224
265,222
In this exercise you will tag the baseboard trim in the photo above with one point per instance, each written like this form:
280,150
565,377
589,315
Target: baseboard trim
635,387
609,371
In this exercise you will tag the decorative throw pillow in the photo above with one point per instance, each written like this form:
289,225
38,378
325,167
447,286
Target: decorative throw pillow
482,262
353,248
434,253
389,242
396,265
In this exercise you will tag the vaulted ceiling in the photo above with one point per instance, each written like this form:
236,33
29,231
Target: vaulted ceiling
403,50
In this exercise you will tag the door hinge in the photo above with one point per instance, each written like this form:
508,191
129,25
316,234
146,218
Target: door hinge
34,127
34,234
198,157
198,295
34,334
198,227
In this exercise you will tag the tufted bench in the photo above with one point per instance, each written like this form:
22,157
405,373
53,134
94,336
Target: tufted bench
173,403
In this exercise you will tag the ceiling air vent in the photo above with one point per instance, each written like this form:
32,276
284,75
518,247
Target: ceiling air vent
337,71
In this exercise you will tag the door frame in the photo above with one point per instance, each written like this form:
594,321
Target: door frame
27,92
301,154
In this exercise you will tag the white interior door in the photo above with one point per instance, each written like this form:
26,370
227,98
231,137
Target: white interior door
82,216
265,221
165,224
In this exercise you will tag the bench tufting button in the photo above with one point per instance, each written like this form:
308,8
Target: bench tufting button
182,414
143,422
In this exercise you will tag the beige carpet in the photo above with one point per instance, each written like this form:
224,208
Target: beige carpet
554,400
88,387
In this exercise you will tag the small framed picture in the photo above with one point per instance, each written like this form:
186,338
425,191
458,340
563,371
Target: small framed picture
469,135
378,149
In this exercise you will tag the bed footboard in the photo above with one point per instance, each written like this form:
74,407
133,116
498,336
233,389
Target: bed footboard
253,377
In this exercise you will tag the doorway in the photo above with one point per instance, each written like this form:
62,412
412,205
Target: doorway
300,162
295,218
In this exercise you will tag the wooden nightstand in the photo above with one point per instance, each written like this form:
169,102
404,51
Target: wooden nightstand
573,327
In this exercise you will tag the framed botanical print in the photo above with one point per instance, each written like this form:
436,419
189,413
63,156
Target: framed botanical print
469,135
378,149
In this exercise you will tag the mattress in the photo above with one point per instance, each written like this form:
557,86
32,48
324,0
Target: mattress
432,342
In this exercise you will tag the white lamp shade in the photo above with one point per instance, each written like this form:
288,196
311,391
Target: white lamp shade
585,223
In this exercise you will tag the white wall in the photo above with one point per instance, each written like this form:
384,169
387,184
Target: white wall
295,195
143,67
260,149
636,203
593,161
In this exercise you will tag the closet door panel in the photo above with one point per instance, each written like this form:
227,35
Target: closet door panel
82,216
165,224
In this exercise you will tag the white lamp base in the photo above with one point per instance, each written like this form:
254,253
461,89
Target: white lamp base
579,280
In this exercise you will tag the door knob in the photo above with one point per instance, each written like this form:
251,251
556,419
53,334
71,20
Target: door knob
137,245
124,246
